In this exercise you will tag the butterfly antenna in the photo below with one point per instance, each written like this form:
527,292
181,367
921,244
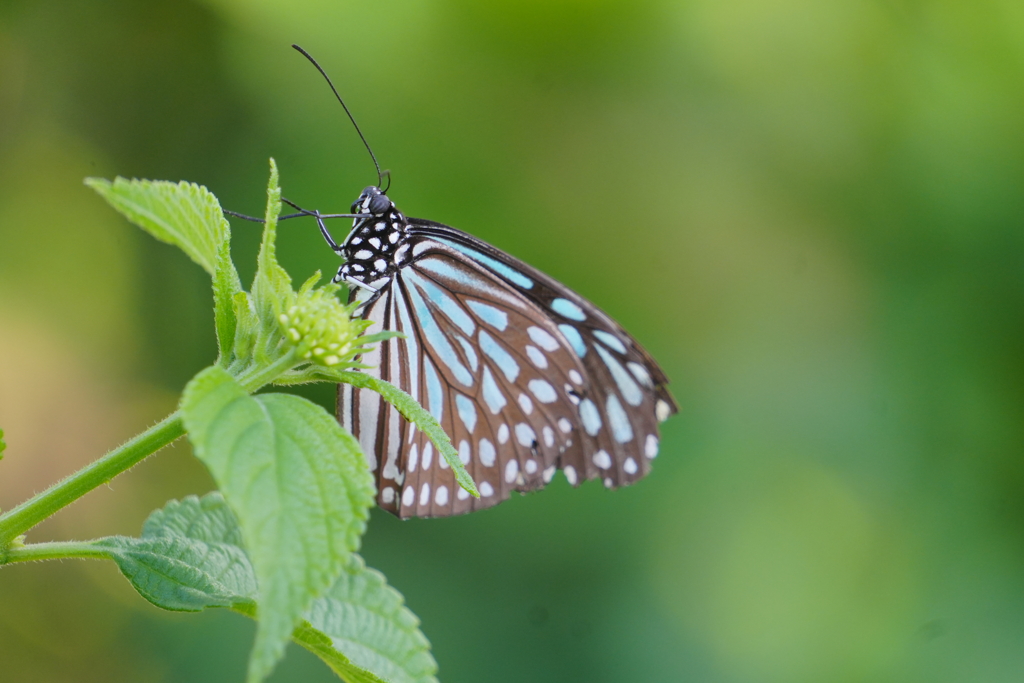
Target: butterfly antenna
380,175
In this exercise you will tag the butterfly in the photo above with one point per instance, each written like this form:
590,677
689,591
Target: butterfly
524,375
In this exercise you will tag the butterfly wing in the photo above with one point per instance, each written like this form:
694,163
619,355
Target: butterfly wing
523,374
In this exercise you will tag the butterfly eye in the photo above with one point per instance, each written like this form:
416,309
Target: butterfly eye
379,204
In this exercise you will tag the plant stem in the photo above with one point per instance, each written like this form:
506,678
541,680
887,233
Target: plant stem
253,381
61,550
34,510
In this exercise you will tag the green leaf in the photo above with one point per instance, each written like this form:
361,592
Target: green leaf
189,557
416,414
365,619
226,285
298,485
272,286
183,214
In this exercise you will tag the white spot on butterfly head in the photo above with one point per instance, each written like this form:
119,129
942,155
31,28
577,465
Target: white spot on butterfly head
602,459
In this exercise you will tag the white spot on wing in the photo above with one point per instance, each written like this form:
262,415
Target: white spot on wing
629,466
536,356
570,474
441,495
486,453
542,338
503,433
549,436
525,434
408,496
511,470
651,446
525,403
602,459
425,494
544,392
486,490
388,495
564,425
663,410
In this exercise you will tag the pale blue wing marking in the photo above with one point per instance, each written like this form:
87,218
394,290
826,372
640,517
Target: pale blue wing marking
508,272
544,392
622,430
435,395
575,339
492,394
437,338
499,355
474,361
629,388
568,309
467,411
489,314
449,306
610,340
590,416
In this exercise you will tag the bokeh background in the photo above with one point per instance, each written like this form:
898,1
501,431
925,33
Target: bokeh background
809,212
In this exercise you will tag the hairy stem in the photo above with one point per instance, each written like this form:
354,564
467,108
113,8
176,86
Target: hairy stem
34,510
61,550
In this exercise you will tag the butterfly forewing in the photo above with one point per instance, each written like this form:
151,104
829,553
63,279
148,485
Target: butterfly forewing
525,376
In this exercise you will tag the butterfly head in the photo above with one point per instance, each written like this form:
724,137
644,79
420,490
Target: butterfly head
373,202
371,247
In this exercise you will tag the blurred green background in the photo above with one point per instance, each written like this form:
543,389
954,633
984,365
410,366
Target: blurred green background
810,213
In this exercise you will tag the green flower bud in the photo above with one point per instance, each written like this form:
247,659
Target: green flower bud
319,327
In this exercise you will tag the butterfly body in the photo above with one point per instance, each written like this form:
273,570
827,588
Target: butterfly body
524,375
